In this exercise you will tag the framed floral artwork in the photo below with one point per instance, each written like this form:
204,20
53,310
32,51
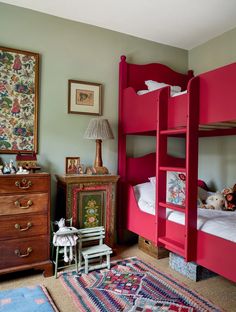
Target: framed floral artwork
72,165
84,97
19,89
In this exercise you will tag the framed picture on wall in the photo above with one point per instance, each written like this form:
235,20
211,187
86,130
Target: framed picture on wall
84,97
72,165
19,89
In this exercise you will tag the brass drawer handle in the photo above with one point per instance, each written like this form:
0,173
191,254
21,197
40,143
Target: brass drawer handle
18,204
18,227
23,184
18,253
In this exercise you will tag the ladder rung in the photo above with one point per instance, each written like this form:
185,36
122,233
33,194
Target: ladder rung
173,131
175,169
172,245
173,206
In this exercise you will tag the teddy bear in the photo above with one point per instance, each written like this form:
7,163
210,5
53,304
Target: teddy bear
215,201
230,198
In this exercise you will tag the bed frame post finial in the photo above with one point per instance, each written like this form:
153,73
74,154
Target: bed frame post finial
123,58
190,74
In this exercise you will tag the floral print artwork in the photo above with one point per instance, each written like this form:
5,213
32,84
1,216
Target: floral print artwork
18,100
176,188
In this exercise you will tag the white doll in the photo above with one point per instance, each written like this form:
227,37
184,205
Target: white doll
65,237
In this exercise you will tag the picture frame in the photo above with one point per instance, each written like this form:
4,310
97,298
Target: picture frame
72,165
19,97
84,97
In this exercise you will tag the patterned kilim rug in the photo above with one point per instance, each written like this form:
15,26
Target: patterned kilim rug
132,285
26,299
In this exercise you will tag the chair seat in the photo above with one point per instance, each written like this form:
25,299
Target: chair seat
99,249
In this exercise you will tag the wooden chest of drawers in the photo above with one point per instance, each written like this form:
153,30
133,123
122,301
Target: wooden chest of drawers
25,223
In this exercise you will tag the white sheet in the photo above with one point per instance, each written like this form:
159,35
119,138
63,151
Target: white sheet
173,94
218,223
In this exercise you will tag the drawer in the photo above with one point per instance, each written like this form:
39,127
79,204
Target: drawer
23,226
23,251
24,183
149,247
18,204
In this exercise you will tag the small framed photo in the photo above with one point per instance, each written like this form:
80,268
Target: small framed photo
84,98
72,165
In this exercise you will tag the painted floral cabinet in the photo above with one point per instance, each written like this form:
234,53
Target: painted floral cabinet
90,200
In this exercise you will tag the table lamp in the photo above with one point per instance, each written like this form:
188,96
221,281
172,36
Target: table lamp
99,129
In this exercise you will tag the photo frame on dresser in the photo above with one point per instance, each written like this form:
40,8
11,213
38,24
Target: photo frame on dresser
84,97
72,165
19,97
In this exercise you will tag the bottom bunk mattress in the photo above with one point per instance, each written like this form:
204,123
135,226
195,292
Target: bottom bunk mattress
215,222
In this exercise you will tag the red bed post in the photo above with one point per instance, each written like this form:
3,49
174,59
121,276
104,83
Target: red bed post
121,149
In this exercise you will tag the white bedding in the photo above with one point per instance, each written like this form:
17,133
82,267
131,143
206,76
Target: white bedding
154,85
218,223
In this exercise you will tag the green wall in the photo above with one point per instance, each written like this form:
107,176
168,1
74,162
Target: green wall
216,155
71,50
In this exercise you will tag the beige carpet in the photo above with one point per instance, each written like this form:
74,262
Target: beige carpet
217,289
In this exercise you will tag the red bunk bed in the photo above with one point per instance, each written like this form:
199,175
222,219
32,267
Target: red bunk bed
206,109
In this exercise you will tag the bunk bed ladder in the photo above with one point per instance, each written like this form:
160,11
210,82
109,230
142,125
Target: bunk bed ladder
183,243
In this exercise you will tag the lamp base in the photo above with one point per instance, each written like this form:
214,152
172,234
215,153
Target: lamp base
101,170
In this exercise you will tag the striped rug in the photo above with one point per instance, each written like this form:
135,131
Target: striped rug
132,286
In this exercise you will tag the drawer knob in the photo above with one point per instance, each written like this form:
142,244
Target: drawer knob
28,251
18,227
28,204
23,184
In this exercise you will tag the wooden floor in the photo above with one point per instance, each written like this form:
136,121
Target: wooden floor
217,289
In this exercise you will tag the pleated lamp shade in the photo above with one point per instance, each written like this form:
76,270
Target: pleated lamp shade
99,129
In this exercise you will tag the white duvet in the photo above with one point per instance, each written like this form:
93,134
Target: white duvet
218,223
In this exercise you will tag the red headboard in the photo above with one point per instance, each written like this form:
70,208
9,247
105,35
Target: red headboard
134,75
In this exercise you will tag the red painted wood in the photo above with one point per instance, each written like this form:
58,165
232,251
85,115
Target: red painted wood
142,114
216,89
217,98
213,252
137,221
191,169
137,74
139,169
216,254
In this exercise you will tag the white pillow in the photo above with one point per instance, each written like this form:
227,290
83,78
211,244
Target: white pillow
145,191
153,181
141,92
154,85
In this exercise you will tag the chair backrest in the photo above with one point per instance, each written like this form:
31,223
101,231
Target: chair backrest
92,234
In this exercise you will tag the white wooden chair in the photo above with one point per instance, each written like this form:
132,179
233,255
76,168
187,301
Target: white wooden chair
93,235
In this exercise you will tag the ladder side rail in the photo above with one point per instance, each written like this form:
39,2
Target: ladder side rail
191,170
161,158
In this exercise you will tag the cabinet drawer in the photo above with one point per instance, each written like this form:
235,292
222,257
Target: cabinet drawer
23,226
15,204
22,184
23,251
